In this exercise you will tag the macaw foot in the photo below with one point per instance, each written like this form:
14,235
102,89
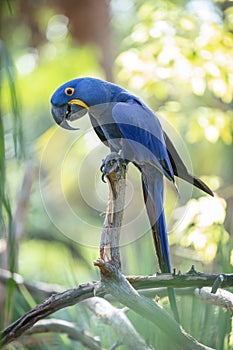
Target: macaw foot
112,162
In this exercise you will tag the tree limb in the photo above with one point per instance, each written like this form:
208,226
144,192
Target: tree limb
117,285
72,331
54,303
221,298
110,237
186,280
193,279
117,319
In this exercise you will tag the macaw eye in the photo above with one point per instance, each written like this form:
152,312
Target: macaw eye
69,91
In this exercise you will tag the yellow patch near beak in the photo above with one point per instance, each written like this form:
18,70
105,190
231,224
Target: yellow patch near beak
79,103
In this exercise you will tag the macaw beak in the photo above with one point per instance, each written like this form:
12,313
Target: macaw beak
68,112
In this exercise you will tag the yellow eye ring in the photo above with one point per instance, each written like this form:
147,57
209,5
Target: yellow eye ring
69,91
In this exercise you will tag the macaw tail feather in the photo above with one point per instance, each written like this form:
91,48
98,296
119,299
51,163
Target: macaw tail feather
180,169
152,184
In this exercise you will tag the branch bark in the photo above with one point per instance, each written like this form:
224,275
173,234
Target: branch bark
189,279
117,285
108,314
54,303
141,283
110,238
221,298
72,331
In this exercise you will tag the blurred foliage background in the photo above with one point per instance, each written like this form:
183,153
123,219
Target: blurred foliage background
176,56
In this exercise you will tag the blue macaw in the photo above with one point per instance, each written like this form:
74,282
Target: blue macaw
130,128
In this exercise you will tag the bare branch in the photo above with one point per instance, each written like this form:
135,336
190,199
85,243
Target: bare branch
116,318
141,283
117,285
73,332
109,243
73,296
47,307
193,279
221,298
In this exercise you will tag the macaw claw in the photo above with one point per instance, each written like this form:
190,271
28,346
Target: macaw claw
112,162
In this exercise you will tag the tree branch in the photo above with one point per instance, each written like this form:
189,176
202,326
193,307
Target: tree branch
72,331
109,242
221,298
117,319
189,279
54,303
186,280
117,285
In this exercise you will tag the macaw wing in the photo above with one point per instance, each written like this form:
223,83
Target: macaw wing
143,140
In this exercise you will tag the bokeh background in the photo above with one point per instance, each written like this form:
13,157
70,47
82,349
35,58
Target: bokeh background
176,56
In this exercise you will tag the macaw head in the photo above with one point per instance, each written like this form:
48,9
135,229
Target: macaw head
74,99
